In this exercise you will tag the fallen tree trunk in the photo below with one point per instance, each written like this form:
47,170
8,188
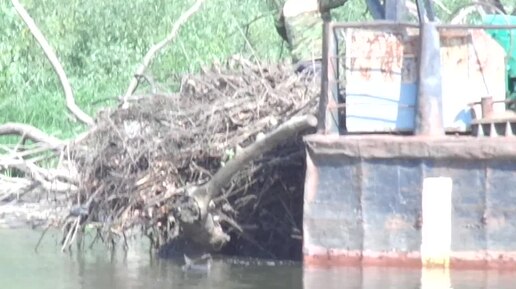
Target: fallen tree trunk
199,223
283,133
32,133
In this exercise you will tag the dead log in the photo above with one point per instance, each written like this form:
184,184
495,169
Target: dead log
197,221
29,132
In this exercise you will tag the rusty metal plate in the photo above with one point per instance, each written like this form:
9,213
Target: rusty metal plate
379,71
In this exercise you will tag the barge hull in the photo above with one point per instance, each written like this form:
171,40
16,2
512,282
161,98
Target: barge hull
410,201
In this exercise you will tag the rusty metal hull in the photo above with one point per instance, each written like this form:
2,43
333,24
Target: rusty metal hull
363,200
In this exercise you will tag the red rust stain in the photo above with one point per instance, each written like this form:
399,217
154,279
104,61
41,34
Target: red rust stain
333,261
499,260
408,260
474,260
377,51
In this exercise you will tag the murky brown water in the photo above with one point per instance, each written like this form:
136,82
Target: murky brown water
22,268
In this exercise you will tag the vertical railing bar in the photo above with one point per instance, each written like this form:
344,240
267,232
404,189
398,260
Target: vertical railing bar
323,101
333,79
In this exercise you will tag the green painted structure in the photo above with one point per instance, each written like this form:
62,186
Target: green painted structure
507,39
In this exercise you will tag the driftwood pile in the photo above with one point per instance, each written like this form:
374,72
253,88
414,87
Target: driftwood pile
141,164
219,163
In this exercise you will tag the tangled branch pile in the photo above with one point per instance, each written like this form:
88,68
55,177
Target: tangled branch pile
223,155
140,162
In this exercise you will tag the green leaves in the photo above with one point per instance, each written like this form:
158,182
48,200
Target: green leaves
100,43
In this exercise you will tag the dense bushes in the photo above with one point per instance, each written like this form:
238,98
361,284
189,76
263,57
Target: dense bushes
101,42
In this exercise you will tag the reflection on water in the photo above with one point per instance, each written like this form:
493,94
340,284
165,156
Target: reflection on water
391,278
22,268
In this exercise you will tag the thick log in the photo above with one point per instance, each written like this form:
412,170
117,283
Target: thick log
195,217
30,132
283,133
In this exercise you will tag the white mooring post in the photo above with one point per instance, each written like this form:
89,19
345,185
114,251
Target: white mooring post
436,232
436,229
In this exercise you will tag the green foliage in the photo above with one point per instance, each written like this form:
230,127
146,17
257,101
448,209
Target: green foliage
100,44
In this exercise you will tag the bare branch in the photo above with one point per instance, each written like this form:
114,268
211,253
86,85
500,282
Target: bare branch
13,186
39,175
442,6
200,224
155,49
30,132
284,132
70,101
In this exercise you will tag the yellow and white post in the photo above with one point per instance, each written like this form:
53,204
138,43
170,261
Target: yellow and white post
436,232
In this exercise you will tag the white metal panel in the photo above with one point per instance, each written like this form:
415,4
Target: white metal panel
380,74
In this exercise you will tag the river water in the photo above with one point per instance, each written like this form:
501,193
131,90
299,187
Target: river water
23,268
